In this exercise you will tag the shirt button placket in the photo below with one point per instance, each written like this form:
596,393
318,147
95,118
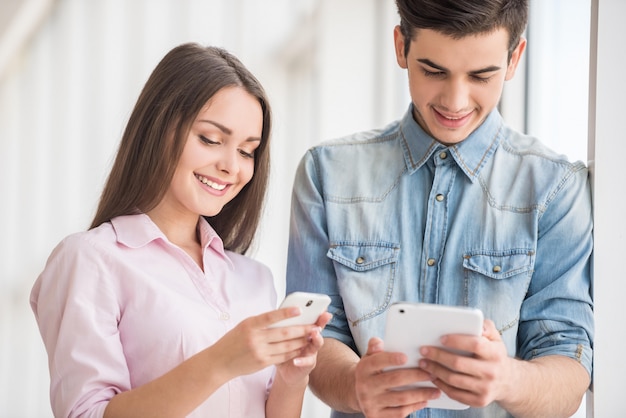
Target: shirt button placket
436,228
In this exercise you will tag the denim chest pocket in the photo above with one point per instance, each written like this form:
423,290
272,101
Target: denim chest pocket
497,283
500,265
365,276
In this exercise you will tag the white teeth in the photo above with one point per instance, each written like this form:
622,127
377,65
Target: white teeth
211,184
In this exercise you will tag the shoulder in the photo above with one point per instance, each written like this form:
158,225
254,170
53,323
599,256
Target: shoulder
86,243
526,155
532,150
245,264
76,266
526,169
373,154
360,143
256,282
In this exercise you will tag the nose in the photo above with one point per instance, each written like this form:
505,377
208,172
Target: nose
455,95
229,161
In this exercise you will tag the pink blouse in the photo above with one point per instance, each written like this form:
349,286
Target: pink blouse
119,305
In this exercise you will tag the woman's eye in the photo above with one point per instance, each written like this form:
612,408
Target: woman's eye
207,140
247,154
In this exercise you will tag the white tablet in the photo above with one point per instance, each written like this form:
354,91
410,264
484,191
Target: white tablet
410,326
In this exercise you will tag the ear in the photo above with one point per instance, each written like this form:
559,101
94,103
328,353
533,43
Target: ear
398,40
515,59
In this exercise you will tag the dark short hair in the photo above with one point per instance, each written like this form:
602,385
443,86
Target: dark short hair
157,130
460,18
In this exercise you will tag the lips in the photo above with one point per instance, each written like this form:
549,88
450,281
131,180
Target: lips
210,183
452,121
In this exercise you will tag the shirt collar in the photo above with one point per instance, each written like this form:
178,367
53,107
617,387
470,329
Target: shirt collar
135,231
471,154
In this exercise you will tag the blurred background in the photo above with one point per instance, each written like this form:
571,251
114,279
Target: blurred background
71,70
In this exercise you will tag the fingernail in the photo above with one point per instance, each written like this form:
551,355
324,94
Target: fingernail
297,362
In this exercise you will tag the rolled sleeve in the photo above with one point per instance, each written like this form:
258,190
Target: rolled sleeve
557,315
77,315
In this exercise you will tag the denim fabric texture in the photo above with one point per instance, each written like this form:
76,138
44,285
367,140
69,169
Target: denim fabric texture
497,222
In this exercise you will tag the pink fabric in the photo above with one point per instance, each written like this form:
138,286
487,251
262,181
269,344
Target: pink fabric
118,306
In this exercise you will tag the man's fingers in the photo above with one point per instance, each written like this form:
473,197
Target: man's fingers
375,345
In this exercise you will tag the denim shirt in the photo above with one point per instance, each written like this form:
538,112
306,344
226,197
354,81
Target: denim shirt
497,222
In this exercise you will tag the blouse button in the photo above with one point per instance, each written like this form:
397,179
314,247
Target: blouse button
224,316
439,197
431,262
360,260
497,269
443,155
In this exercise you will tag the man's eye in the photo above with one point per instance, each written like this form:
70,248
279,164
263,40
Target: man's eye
433,73
480,79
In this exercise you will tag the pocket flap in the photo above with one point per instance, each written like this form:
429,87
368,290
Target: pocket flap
363,256
500,265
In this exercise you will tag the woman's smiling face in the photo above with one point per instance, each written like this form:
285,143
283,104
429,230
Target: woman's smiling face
218,158
456,83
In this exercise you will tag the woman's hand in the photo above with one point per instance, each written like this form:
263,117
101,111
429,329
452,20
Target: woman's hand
252,346
296,371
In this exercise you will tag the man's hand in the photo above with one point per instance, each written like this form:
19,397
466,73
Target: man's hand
375,387
477,380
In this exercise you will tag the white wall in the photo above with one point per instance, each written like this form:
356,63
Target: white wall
607,148
558,74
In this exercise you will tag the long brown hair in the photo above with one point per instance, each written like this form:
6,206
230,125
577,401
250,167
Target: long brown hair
180,85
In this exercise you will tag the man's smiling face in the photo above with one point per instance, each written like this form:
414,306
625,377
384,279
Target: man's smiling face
456,83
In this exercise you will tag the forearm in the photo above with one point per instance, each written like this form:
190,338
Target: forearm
333,379
551,386
175,394
284,400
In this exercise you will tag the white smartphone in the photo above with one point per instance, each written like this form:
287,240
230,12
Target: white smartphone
311,305
410,326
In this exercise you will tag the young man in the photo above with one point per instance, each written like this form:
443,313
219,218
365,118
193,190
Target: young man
448,205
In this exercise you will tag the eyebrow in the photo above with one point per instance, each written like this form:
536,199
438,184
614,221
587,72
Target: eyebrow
228,131
489,69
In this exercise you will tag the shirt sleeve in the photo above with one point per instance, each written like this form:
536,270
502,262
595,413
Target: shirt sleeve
308,267
557,314
77,311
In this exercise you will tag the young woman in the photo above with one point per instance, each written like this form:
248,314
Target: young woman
155,311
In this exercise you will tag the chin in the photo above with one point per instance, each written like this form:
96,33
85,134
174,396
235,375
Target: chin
449,140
